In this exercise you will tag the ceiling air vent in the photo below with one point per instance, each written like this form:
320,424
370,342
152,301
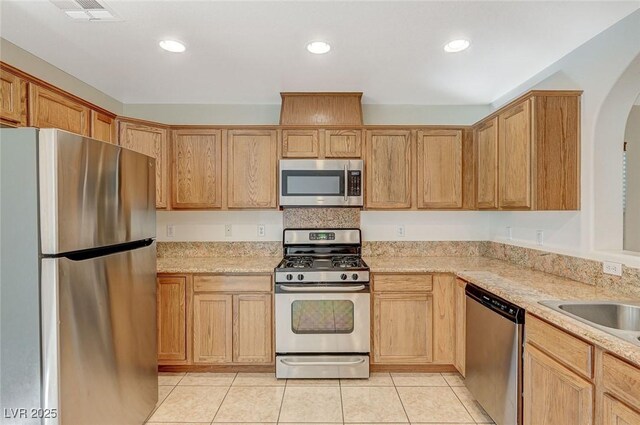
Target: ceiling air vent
86,10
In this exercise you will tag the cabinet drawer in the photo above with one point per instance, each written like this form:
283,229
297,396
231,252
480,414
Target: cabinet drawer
568,349
238,283
621,379
402,282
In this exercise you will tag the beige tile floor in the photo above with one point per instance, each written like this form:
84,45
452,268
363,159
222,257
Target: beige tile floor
260,398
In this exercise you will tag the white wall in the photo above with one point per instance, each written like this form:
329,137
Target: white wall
632,215
596,68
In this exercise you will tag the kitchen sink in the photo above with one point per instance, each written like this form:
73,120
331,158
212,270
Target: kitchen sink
617,318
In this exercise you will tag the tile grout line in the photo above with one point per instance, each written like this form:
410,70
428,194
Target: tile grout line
284,393
223,399
400,398
341,402
463,405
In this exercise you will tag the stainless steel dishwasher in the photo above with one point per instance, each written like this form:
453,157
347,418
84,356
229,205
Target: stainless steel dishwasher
494,355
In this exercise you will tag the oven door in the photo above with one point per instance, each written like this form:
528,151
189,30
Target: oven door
307,182
322,319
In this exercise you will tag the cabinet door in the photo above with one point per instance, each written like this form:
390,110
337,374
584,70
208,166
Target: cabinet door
103,127
388,169
150,141
486,145
252,168
12,98
403,328
196,178
461,326
300,143
172,319
343,143
212,328
616,413
48,109
514,156
444,319
439,169
553,394
252,323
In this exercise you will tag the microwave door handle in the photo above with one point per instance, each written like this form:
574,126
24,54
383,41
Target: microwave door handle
346,182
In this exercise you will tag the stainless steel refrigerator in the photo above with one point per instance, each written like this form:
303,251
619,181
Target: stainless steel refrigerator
77,280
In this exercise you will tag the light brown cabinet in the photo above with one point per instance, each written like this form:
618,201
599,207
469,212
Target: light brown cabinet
414,319
514,141
439,167
300,143
172,318
196,165
232,319
553,394
150,140
13,99
103,127
486,148
461,326
538,152
343,143
252,168
212,328
617,413
388,169
49,109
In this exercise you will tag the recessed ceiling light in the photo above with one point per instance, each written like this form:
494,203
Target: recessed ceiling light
173,46
318,47
456,46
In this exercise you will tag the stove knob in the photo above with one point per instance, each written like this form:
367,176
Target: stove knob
289,276
300,276
354,276
343,276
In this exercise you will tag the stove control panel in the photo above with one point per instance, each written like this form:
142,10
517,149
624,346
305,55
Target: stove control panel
361,276
322,236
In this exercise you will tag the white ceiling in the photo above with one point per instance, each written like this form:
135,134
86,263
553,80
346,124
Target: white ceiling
247,52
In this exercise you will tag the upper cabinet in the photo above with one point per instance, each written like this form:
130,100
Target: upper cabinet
439,169
300,143
103,127
252,156
13,100
388,169
196,169
486,150
343,143
538,156
150,140
51,109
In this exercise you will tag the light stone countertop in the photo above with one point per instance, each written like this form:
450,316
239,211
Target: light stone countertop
238,264
523,287
519,285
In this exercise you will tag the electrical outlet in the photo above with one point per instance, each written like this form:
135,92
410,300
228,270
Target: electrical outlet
509,233
227,231
170,230
612,268
539,237
261,230
400,231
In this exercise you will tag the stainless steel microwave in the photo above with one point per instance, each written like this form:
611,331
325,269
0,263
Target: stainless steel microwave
322,182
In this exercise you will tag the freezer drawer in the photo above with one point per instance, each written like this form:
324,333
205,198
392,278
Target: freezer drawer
99,337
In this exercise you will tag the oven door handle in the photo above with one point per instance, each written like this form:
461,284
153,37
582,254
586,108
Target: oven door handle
322,288
349,363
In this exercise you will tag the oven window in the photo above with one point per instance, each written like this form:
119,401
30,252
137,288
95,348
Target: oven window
322,317
313,183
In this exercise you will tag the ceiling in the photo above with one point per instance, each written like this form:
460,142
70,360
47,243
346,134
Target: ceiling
247,52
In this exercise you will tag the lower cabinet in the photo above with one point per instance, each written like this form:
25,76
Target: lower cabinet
461,326
252,323
617,413
414,319
553,394
172,318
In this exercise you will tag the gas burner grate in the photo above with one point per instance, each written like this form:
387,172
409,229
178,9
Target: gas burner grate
345,262
298,262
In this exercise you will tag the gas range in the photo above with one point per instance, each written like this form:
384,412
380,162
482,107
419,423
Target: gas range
322,256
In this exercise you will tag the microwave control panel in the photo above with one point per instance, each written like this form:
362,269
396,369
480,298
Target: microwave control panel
355,183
